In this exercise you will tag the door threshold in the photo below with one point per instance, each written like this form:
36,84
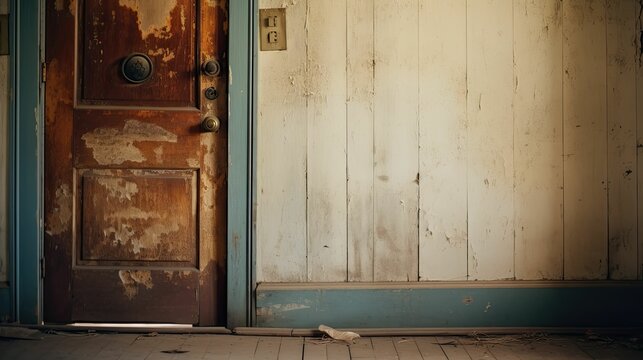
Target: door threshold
131,325
129,328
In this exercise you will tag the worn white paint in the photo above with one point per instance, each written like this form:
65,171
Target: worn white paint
360,66
4,150
538,139
490,141
452,140
622,55
585,137
131,279
395,139
443,140
326,181
281,162
112,146
154,17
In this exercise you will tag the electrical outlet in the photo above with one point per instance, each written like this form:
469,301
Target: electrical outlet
272,29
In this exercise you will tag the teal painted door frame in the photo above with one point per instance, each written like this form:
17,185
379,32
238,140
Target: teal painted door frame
22,301
25,166
241,140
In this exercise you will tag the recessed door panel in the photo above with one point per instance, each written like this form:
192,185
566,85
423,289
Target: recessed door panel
162,36
121,222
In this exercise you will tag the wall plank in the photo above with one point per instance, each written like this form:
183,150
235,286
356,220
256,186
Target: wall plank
359,122
621,140
281,155
490,144
443,142
538,136
585,140
326,64
396,141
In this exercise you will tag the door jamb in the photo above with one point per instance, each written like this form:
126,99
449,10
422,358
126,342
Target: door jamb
26,163
241,174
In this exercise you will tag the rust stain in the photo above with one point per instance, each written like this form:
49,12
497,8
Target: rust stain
131,280
116,146
60,217
153,16
59,5
119,188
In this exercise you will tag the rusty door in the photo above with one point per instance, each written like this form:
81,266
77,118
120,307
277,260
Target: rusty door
135,186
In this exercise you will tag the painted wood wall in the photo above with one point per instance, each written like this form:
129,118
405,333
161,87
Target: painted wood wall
406,140
4,149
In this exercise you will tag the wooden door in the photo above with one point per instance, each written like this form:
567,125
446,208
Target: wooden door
135,188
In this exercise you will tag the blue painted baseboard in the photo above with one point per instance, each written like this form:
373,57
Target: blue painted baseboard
526,304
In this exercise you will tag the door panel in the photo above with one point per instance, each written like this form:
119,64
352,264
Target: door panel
122,224
135,190
162,30
144,295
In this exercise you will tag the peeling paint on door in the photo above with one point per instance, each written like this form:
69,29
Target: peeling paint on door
131,279
154,17
115,146
61,215
119,188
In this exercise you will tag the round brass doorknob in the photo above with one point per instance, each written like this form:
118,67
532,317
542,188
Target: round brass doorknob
211,68
211,124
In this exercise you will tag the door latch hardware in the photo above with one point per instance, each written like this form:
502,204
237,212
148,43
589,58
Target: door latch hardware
137,68
211,93
211,124
211,68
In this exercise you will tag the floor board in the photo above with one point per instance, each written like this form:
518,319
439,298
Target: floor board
65,346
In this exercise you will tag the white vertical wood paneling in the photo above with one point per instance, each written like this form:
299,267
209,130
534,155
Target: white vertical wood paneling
585,139
443,150
428,139
326,64
4,143
396,140
359,117
490,140
621,140
538,136
281,155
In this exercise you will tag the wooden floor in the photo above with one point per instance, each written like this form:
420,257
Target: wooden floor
189,347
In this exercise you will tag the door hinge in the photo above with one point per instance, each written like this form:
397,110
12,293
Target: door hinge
43,72
42,268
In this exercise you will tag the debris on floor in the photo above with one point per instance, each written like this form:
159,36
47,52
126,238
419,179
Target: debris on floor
347,336
174,351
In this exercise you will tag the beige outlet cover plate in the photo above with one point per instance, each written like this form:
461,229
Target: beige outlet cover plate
272,29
